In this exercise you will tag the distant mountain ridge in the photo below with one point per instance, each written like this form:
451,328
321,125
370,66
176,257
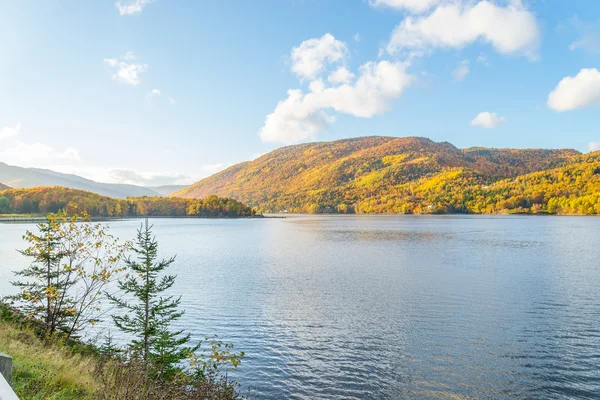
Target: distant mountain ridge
19,177
166,190
357,173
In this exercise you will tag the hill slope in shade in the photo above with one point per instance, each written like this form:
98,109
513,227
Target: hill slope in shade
361,174
4,187
18,177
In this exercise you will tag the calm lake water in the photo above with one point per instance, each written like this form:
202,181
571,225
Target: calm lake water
389,307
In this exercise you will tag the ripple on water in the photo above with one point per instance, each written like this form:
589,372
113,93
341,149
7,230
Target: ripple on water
389,307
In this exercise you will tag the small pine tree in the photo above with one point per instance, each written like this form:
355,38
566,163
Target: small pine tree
108,348
148,315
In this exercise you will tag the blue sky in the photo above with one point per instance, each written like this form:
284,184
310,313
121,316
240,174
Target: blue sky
170,91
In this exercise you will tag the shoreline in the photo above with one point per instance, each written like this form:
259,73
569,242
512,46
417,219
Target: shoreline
42,218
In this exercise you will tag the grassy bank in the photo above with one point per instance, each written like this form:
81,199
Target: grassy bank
59,370
46,371
59,298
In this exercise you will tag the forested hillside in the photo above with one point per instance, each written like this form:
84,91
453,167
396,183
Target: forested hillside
409,175
42,200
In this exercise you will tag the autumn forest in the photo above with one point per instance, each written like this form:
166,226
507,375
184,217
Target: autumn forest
411,176
362,175
43,200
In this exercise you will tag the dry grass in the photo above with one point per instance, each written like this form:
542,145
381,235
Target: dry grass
43,371
53,372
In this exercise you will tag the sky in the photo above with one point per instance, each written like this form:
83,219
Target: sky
156,92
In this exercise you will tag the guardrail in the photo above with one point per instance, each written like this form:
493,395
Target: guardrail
6,392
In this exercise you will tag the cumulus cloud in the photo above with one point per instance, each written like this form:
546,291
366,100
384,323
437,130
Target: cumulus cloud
312,56
461,71
302,115
341,75
131,7
488,120
37,155
416,6
332,88
10,131
580,91
510,29
593,146
125,70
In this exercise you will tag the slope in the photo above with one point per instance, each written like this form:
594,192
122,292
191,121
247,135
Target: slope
341,175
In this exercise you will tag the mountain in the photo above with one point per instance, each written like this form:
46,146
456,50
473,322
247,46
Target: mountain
371,174
167,189
18,177
4,187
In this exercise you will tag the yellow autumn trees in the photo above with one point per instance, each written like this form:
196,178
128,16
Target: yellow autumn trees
404,175
42,200
72,261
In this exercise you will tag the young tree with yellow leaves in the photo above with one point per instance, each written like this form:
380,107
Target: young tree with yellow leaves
73,262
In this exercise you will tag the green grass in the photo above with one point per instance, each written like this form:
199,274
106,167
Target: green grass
76,370
42,371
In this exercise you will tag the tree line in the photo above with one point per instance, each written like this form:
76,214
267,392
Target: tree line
43,200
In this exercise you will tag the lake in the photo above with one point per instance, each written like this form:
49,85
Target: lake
388,307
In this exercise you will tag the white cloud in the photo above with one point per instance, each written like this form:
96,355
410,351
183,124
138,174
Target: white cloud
593,146
461,71
341,75
580,91
124,71
416,6
510,29
317,86
130,7
37,155
357,37
301,116
294,121
171,100
10,131
140,178
488,120
311,58
152,94
133,177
